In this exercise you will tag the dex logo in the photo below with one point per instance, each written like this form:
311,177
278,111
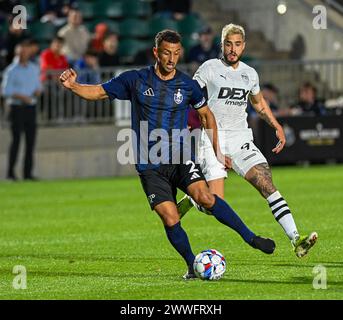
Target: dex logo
233,93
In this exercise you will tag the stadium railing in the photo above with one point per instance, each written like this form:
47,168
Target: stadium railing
58,106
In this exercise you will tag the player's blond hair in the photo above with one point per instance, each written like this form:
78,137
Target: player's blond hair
230,29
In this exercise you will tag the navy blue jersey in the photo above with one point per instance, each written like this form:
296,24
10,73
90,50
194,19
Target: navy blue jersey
156,104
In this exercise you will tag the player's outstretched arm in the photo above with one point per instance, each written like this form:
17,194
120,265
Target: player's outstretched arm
89,92
209,123
264,111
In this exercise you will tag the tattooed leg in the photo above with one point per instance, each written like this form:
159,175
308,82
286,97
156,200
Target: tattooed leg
260,176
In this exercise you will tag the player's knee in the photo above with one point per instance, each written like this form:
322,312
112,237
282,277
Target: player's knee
170,221
204,198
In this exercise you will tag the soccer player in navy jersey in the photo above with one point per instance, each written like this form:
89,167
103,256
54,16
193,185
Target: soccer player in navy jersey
160,96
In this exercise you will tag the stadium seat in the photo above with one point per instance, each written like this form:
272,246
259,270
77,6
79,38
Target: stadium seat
129,47
42,31
158,23
136,9
111,9
190,24
133,28
88,9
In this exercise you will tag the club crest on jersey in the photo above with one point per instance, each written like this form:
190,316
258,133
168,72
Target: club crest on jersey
178,97
245,78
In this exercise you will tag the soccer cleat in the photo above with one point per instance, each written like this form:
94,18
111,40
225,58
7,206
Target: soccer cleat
304,243
266,245
189,275
184,205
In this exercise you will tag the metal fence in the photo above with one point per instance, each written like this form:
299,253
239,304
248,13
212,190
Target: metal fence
58,106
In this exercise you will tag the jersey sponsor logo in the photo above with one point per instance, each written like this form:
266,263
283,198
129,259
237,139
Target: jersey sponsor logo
178,97
233,93
149,93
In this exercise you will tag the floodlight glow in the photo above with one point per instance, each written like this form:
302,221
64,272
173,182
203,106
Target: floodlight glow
281,7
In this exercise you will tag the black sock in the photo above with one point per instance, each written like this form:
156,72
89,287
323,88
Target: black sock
179,240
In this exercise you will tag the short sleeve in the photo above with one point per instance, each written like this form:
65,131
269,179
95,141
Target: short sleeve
197,99
120,87
256,85
202,75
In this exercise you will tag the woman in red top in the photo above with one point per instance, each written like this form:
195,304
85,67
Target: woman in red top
53,59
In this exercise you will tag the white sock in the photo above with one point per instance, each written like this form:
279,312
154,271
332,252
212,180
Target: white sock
283,215
199,207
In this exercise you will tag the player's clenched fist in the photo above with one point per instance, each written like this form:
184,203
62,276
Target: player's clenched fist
68,78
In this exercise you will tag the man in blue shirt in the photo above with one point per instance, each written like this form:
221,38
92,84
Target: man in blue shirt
21,86
160,96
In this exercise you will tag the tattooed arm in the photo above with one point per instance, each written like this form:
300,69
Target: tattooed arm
263,110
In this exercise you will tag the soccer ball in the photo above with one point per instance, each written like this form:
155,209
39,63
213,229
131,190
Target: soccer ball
209,265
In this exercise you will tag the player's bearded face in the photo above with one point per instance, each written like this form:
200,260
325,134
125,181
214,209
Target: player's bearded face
167,55
233,48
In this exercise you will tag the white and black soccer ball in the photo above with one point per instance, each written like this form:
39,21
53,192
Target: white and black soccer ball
209,265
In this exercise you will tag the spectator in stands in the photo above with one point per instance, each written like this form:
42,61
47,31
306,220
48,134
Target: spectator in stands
97,42
88,68
308,103
109,57
176,9
205,50
52,58
21,98
12,38
55,11
76,37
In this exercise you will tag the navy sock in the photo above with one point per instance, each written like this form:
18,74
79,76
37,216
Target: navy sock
179,240
224,214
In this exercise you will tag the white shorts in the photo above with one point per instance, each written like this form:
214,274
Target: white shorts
238,145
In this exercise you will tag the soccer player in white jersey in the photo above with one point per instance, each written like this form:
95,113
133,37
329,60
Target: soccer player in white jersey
230,83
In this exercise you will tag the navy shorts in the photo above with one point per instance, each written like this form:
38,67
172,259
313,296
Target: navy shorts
161,184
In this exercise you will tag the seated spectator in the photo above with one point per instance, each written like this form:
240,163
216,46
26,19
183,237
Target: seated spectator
52,58
97,42
88,68
76,37
205,50
308,103
55,11
109,57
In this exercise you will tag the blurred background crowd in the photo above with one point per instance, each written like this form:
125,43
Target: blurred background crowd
300,66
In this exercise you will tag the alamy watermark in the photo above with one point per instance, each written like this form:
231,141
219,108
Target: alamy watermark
320,278
158,146
20,280
20,19
320,20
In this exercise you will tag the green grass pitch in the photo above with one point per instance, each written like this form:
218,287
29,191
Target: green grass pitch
98,239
